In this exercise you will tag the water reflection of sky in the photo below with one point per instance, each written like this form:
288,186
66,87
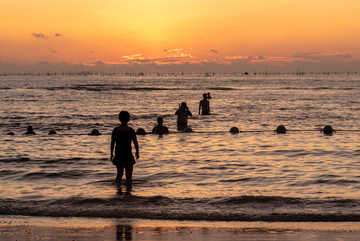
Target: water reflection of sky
201,165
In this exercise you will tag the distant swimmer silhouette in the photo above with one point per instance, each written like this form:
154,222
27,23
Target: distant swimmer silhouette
209,96
160,128
121,139
183,114
30,131
204,105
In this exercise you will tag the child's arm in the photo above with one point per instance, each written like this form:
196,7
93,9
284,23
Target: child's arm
136,144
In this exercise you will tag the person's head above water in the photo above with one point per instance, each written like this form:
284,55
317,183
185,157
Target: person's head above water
183,104
205,96
124,117
30,130
160,121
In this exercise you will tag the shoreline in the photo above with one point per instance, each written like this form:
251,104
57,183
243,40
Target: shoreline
36,228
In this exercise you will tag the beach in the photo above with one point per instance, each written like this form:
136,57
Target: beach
35,228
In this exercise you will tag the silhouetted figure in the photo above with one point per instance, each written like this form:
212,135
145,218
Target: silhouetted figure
208,96
95,132
160,128
280,129
30,131
121,139
183,114
328,130
204,105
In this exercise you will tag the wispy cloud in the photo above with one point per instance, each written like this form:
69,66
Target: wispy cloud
214,51
316,56
174,56
42,35
39,35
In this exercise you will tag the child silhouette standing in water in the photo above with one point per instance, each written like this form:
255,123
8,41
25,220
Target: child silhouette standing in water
121,139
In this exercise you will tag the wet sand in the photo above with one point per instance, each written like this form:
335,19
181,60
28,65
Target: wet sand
39,228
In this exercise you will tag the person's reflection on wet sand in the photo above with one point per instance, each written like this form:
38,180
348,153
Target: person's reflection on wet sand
124,232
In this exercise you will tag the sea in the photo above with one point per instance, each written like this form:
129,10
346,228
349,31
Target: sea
210,174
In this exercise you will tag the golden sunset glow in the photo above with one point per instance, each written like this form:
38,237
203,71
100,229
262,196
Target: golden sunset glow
177,32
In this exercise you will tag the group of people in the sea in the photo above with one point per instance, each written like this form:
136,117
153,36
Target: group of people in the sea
183,113
123,137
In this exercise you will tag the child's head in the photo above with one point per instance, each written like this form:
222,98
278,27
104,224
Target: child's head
124,117
160,120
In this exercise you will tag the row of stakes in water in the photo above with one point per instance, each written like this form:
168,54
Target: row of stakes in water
328,130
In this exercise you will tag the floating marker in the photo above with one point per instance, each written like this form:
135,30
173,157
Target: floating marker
52,132
280,129
188,129
95,132
234,130
140,131
328,130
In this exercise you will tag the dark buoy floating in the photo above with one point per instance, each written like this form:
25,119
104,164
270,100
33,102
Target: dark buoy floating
328,130
140,131
280,129
188,129
52,132
234,130
95,132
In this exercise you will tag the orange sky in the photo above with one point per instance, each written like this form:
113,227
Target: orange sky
193,31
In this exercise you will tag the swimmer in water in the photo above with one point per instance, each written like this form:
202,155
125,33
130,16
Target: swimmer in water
160,128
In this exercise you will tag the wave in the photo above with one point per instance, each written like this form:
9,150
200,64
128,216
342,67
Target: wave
223,88
108,88
242,208
71,174
74,160
316,88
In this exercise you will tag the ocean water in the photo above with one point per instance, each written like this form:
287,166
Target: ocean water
210,174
